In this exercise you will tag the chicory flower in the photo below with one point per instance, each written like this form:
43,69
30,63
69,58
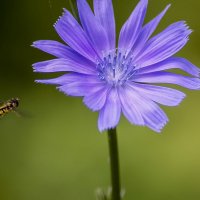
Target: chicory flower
115,79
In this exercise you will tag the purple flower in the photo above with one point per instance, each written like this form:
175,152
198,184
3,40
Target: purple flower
115,80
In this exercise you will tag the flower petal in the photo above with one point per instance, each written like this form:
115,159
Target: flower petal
72,33
164,45
167,77
92,27
80,84
55,48
97,99
61,80
153,115
163,95
147,31
132,26
110,114
103,10
130,107
70,78
171,63
83,66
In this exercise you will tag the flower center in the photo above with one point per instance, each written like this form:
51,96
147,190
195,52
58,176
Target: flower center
116,68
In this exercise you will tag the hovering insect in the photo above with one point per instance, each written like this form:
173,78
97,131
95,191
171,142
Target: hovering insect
8,106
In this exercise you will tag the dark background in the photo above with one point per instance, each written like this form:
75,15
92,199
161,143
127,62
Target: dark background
57,153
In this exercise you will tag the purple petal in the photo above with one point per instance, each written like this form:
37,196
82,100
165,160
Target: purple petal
147,31
164,45
130,107
103,10
171,63
83,66
97,99
110,114
163,95
54,48
60,50
80,85
61,80
153,115
167,77
133,26
72,33
92,27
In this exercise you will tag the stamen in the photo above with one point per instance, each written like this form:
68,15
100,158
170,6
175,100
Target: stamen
116,68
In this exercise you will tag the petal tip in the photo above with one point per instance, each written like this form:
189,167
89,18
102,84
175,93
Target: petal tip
166,8
161,127
39,81
35,44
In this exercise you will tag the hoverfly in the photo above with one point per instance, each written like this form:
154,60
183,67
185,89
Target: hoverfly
8,106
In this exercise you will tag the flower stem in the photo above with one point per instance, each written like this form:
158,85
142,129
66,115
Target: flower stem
114,164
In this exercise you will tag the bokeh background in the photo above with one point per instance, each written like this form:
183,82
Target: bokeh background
56,152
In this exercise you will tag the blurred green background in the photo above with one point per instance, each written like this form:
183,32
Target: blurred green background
57,153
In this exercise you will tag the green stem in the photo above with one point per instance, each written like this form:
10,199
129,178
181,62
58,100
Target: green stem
114,164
